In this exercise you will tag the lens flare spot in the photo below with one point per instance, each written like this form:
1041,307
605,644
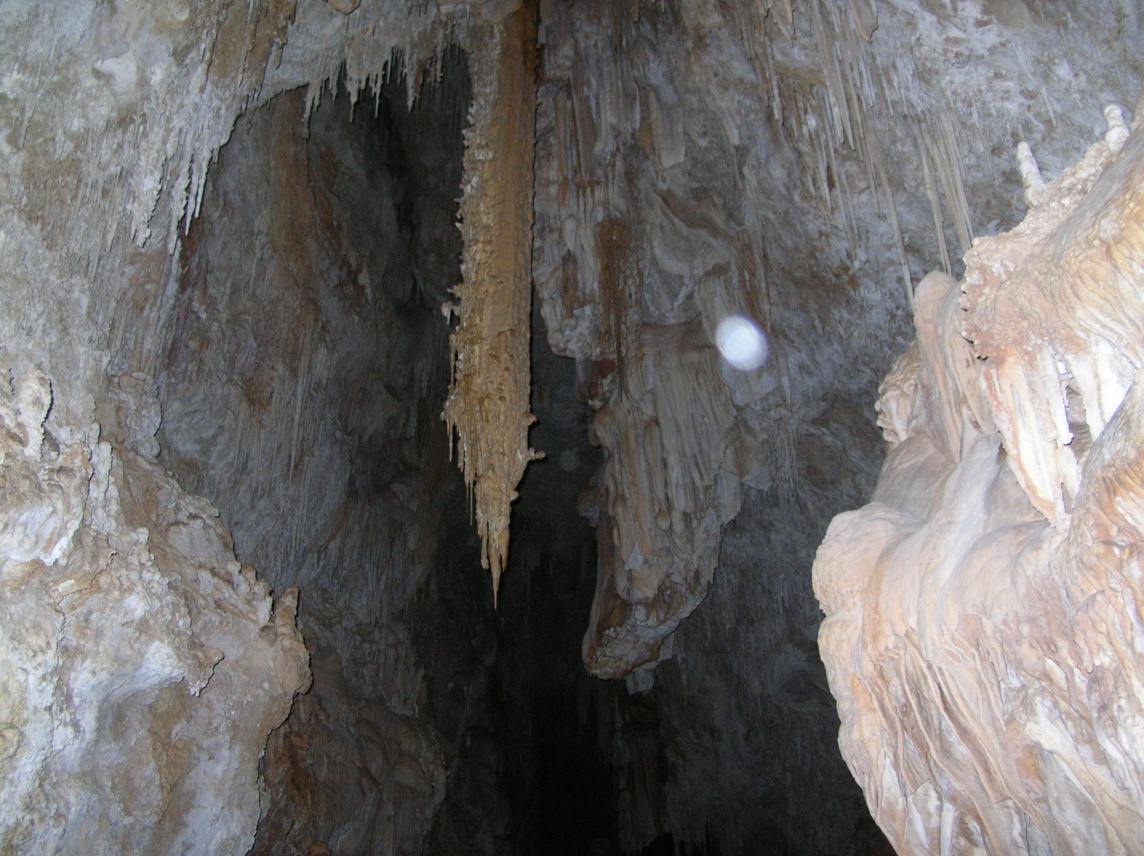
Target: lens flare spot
741,343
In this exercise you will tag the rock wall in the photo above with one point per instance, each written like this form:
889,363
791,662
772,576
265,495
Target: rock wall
146,666
983,611
143,666
653,241
305,369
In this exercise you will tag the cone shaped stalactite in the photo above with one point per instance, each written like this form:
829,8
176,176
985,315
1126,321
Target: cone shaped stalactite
488,403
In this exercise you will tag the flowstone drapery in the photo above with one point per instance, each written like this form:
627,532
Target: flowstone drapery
984,611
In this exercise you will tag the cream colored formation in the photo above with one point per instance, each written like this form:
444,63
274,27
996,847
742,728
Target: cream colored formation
488,403
983,632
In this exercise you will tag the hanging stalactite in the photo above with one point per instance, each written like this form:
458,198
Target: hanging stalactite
488,400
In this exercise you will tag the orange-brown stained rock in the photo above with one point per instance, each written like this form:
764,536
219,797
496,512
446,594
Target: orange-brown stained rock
488,399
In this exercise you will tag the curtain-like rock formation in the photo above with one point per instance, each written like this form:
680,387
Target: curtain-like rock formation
792,165
654,241
984,611
659,543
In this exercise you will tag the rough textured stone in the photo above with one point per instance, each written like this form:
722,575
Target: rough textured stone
272,337
800,166
983,612
305,393
487,406
144,667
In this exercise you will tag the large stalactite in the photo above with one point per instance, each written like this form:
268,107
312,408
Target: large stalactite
488,401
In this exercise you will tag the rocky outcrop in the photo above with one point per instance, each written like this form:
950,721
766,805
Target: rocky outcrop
306,359
984,610
143,666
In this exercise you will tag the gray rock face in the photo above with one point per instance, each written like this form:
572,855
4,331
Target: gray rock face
260,323
144,667
305,368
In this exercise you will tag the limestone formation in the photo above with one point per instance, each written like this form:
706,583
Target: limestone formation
983,611
231,270
143,666
488,399
659,541
328,356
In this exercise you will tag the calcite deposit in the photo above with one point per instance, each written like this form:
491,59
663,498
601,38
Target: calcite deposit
249,244
659,543
983,611
716,160
487,405
144,667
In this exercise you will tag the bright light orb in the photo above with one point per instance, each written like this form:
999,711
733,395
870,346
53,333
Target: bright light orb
741,343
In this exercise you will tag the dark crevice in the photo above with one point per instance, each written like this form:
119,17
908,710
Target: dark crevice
435,724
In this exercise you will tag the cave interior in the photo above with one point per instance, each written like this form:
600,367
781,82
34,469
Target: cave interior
377,478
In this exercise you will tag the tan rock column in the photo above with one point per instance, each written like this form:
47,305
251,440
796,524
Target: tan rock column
488,400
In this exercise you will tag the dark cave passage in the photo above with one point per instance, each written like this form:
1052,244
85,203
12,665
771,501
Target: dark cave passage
302,390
